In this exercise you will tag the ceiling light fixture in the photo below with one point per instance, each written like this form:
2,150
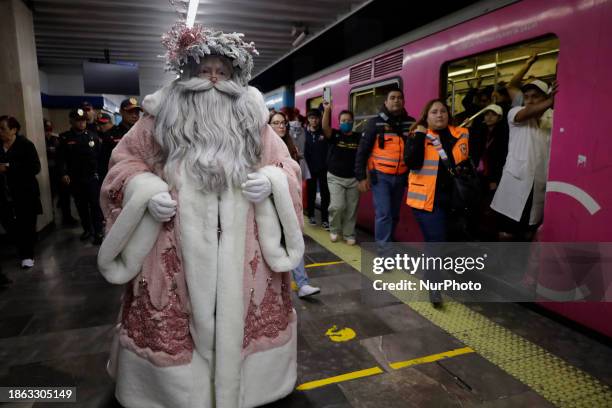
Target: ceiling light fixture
461,71
299,39
486,66
191,12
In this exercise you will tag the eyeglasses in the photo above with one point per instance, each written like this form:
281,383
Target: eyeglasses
277,124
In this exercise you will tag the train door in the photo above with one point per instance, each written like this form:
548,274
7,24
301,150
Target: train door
472,84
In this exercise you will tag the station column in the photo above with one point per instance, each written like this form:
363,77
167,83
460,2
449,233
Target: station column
20,87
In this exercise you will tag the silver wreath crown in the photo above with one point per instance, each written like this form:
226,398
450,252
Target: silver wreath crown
183,43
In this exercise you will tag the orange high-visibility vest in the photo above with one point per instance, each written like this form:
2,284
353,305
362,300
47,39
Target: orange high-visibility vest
389,158
422,182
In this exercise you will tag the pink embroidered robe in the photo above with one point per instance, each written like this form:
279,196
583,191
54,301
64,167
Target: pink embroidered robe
206,319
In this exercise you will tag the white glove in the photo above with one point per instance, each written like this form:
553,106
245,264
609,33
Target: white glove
256,188
162,207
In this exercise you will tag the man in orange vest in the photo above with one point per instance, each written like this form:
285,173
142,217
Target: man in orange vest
379,164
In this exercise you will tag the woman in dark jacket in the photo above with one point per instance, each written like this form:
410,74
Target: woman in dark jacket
19,165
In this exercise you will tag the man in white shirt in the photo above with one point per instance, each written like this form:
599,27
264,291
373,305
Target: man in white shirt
520,195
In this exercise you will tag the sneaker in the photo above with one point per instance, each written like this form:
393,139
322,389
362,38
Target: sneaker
325,225
312,221
308,290
27,263
351,241
333,237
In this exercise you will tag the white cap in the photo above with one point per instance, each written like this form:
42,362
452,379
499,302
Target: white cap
541,85
495,108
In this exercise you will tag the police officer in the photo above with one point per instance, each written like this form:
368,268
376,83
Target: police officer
90,114
78,163
130,113
109,137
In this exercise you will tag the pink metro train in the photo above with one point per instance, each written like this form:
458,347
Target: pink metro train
491,42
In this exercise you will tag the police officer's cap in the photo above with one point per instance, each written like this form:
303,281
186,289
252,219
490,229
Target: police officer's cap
104,118
130,103
77,114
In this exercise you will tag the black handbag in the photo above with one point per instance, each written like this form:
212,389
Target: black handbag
467,191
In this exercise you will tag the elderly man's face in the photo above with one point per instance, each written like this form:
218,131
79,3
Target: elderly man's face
215,69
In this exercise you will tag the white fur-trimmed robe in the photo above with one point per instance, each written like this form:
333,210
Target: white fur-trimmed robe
206,320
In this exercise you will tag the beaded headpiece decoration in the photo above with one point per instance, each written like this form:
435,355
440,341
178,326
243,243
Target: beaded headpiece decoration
184,43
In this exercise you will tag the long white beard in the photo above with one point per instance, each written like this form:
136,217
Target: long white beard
208,133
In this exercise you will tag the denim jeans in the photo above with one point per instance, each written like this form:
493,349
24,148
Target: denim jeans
433,226
299,275
387,193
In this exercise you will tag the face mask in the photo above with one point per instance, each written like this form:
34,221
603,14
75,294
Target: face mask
346,127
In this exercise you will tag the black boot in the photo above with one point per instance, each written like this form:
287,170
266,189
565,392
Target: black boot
435,297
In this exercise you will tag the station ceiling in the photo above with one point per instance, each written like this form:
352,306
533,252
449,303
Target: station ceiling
69,31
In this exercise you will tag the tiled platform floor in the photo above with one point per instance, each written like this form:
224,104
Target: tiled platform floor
55,323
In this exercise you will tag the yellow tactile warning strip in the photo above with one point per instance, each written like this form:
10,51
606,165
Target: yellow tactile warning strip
559,382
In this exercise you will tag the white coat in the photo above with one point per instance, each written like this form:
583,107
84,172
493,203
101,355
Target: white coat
526,167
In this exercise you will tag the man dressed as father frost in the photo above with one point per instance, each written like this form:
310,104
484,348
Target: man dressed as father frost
203,209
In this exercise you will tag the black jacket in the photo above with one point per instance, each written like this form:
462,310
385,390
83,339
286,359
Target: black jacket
79,155
20,179
316,151
490,147
400,123
109,140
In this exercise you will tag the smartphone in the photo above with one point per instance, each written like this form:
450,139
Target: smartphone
327,94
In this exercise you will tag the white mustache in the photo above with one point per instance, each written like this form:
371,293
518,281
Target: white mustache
196,84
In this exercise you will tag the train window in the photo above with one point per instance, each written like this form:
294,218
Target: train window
314,103
366,101
497,67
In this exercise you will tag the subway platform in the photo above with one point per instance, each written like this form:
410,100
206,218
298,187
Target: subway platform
56,321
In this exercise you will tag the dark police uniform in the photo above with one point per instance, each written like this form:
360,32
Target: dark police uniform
109,140
78,157
91,127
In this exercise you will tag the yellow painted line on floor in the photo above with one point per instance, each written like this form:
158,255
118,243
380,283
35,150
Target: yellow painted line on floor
431,358
553,378
377,370
315,265
340,378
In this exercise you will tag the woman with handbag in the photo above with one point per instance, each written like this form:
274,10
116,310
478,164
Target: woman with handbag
433,151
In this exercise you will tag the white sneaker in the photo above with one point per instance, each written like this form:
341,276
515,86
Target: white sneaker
308,290
333,237
27,263
351,241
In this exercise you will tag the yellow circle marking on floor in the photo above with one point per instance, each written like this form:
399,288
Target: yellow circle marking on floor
556,380
341,335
